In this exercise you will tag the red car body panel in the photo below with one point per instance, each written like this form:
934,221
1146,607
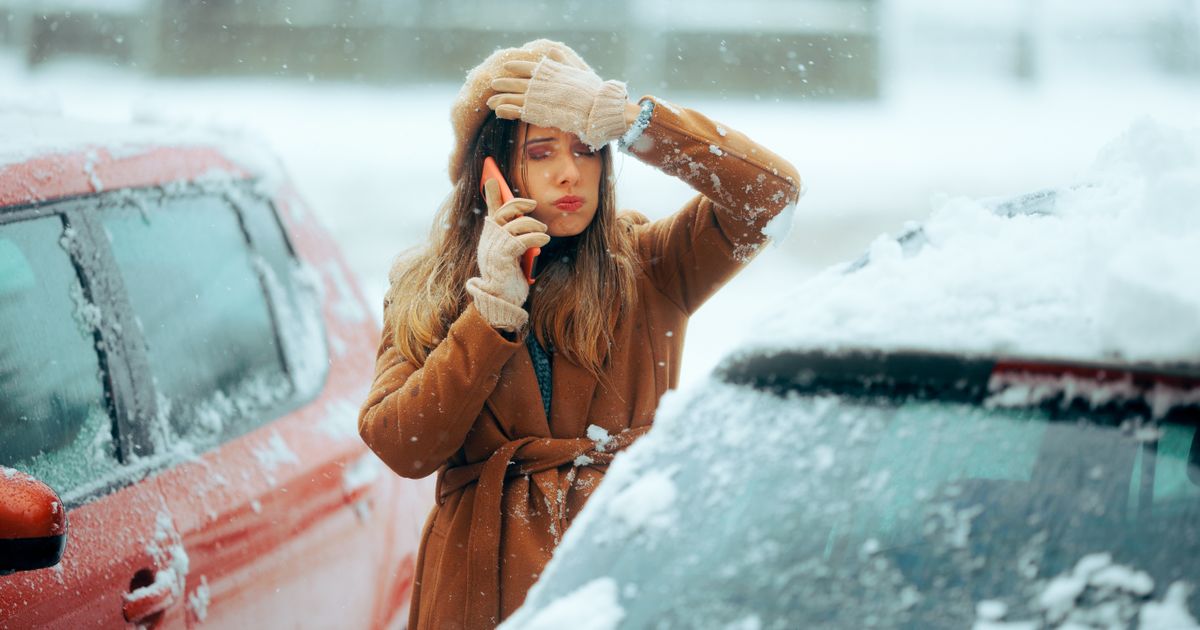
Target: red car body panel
60,175
294,524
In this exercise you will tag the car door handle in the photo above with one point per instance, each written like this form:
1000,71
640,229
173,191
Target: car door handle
142,603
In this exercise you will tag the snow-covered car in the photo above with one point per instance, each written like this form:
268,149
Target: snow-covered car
182,354
991,425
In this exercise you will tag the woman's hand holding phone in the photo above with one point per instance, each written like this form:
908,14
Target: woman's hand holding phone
501,288
491,174
512,217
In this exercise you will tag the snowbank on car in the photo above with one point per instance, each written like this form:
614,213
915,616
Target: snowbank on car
1112,274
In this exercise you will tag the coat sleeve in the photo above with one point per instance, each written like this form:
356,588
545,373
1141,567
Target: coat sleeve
742,186
415,418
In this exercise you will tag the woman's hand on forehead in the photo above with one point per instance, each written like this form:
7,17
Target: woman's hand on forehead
509,102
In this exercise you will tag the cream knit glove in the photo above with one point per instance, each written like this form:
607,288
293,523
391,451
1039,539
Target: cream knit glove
576,101
501,289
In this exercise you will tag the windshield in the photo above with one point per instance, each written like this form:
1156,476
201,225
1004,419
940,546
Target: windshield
747,508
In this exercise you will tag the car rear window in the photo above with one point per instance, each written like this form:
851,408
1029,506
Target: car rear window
200,300
55,421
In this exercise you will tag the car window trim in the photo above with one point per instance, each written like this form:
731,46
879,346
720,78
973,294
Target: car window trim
273,311
112,360
136,411
135,344
249,190
133,408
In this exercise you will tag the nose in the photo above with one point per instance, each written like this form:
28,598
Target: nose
568,172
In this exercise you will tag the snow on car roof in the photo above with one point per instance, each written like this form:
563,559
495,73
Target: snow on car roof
1111,275
64,152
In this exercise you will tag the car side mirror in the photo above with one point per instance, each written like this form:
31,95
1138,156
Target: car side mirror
33,523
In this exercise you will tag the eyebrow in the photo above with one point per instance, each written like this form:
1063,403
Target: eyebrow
537,140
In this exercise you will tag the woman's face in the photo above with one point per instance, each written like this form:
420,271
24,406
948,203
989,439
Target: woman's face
561,173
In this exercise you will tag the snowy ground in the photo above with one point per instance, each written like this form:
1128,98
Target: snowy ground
372,161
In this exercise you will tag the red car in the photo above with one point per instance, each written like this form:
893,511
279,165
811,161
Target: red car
182,357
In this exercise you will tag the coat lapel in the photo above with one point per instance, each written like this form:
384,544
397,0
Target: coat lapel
571,398
517,402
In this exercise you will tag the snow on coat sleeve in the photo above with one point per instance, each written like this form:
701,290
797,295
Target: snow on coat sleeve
742,187
415,418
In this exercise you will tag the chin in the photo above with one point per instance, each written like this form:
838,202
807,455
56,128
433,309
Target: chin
571,226
565,231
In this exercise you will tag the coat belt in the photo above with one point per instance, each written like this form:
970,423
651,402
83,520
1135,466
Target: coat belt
540,459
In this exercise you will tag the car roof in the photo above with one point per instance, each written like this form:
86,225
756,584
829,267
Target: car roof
45,157
1105,271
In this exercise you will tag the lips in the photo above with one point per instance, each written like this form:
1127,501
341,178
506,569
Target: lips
569,203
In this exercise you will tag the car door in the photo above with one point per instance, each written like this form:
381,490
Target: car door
66,417
271,497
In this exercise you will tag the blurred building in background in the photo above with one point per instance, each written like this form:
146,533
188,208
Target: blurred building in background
1032,40
776,48
802,49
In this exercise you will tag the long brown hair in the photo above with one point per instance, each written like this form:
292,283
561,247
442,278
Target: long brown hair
576,302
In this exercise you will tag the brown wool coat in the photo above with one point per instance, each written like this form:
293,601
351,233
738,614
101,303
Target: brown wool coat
510,480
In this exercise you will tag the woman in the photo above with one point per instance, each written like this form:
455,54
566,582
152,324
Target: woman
519,396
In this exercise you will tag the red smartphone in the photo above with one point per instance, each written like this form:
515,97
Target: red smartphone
491,171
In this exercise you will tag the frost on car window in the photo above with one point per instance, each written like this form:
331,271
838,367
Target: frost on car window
217,364
821,511
297,313
54,419
295,291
